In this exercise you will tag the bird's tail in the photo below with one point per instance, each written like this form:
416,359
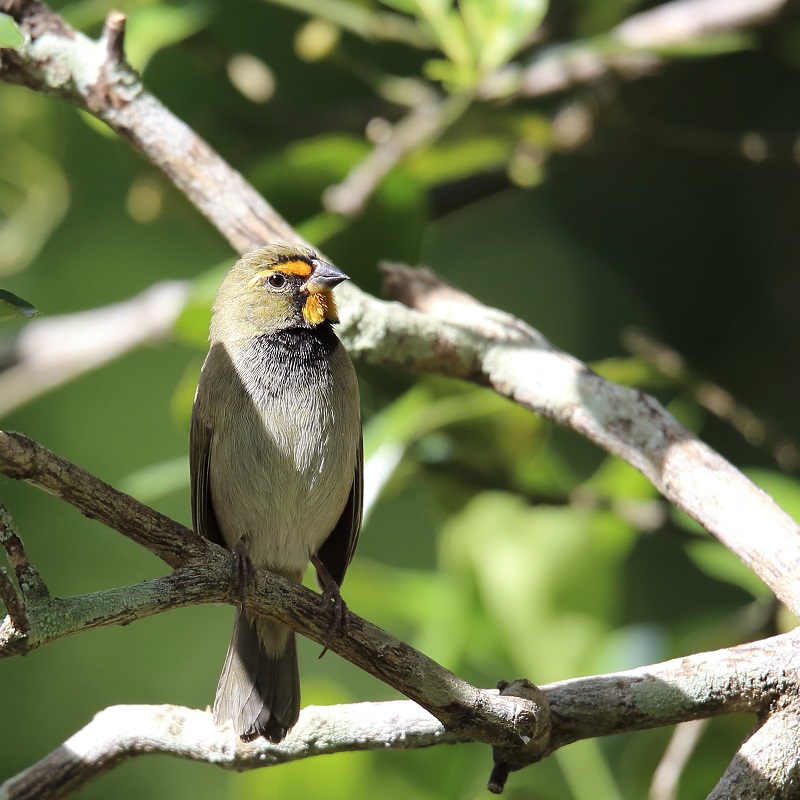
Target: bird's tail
259,688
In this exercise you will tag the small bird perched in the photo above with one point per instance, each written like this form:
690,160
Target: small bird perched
276,461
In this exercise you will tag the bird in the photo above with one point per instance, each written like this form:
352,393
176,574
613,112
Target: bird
276,462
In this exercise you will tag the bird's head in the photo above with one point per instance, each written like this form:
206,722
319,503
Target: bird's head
276,287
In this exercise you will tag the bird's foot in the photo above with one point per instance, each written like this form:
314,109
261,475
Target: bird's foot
242,570
331,594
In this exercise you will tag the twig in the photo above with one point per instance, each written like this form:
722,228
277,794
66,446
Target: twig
632,48
50,351
667,776
17,618
30,583
113,37
422,125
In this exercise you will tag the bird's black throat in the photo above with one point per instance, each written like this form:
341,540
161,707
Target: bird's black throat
284,360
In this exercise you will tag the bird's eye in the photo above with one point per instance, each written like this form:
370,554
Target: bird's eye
276,280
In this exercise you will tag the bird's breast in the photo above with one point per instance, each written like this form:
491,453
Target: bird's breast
283,449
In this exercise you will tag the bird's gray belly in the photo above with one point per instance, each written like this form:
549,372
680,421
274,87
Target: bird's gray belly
282,469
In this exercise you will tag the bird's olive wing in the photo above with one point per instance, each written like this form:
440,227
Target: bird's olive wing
337,550
203,518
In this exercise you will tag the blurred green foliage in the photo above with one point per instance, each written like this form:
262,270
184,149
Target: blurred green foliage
499,545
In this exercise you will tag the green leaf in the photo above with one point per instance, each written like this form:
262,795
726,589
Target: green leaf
153,28
14,308
192,324
407,6
10,35
498,28
158,480
720,563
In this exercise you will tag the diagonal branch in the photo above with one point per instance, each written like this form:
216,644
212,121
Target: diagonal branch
23,459
204,576
768,763
494,349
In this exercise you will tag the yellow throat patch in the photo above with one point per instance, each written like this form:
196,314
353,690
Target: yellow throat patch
320,307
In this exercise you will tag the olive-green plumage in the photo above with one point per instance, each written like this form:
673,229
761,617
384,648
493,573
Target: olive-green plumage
275,459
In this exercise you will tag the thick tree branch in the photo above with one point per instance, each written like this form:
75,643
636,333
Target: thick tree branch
23,459
662,694
120,733
767,766
204,575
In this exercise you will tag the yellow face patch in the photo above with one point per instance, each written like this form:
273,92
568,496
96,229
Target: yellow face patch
300,268
320,307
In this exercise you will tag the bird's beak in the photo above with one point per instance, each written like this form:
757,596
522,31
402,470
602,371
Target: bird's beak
324,277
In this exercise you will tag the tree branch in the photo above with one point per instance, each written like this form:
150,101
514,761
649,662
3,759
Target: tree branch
23,459
512,359
663,694
745,678
633,49
120,733
204,575
767,766
494,349
50,351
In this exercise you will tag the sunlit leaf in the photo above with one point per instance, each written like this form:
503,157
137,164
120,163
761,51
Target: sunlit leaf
708,46
415,414
499,29
406,6
151,28
555,567
192,324
10,35
721,563
158,480
34,196
182,399
15,308
451,160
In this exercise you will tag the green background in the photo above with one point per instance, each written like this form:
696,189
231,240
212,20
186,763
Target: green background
500,545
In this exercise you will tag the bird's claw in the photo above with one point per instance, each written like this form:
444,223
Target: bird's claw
331,594
242,570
